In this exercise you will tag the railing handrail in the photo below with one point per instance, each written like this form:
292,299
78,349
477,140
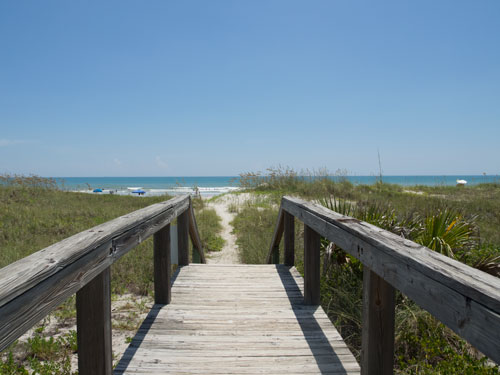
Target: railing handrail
32,287
465,299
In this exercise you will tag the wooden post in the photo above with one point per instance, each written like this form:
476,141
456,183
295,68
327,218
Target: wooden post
276,255
162,265
183,238
93,322
377,342
311,266
289,223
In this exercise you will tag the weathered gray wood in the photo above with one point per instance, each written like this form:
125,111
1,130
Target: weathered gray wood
93,317
182,238
289,231
460,296
162,266
221,330
33,286
377,355
466,280
195,237
275,243
311,266
22,275
130,239
20,314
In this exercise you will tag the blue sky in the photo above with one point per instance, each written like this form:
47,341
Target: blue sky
186,88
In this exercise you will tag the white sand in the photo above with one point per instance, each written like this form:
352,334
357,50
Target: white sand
229,253
128,309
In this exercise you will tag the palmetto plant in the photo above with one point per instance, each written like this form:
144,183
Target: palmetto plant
446,232
489,264
332,254
341,206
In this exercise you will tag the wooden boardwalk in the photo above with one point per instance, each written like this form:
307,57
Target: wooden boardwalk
237,319
244,319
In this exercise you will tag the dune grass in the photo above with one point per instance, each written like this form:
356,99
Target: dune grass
423,345
209,226
35,214
33,218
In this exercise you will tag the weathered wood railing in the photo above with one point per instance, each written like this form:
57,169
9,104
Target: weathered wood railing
34,286
463,298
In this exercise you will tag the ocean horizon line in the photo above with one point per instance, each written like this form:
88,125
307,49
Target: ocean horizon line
299,175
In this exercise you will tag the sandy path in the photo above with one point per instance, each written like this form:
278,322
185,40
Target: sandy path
229,253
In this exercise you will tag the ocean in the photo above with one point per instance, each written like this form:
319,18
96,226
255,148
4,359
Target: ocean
215,185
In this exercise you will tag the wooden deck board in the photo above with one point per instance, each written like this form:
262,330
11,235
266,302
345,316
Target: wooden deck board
237,319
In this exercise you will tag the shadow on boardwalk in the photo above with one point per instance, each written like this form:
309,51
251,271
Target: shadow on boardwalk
313,333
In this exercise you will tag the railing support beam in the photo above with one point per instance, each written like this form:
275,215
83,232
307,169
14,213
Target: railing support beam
162,265
93,322
273,257
276,255
377,343
311,266
289,227
183,238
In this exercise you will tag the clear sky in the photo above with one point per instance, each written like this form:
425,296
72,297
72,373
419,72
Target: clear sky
186,88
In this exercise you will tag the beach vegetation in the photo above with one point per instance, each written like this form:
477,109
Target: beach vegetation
209,226
460,223
254,227
35,213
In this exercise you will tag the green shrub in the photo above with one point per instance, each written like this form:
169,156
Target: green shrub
423,345
209,227
254,228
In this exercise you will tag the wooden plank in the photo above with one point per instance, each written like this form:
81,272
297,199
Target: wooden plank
18,277
20,314
162,266
182,237
55,273
470,282
125,242
195,236
289,231
278,233
208,336
311,266
93,320
460,296
377,356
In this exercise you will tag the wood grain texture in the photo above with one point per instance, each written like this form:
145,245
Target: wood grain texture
183,238
162,265
275,243
463,298
20,276
33,286
311,266
377,347
20,314
289,239
240,319
93,321
195,236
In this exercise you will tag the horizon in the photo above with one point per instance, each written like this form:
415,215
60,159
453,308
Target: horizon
299,175
215,88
